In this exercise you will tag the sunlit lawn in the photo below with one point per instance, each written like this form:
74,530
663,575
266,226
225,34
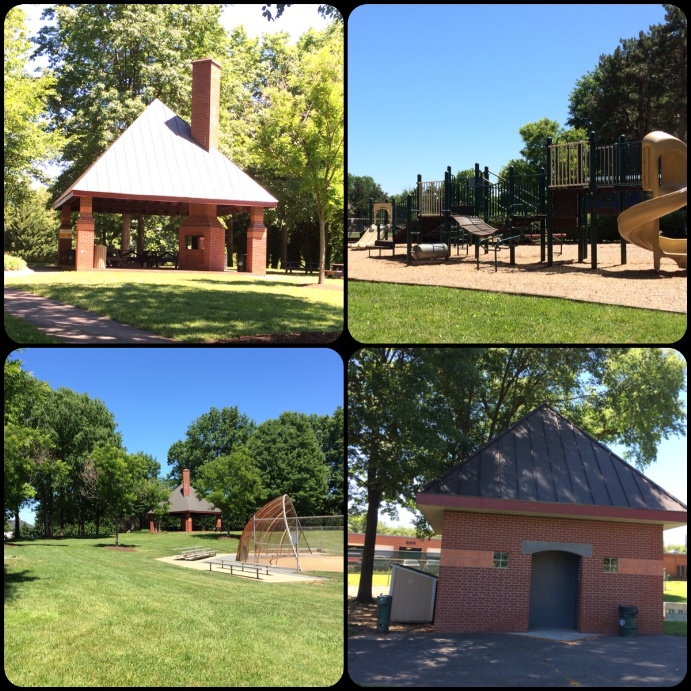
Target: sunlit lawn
193,306
79,614
396,313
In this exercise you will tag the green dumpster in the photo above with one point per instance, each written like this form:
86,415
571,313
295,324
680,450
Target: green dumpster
628,621
384,613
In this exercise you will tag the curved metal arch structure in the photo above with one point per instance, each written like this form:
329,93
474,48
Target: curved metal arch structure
272,532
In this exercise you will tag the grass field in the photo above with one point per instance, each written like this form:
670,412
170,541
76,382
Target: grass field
397,313
80,614
193,306
22,332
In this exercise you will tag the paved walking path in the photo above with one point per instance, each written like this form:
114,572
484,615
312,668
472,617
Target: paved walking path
72,324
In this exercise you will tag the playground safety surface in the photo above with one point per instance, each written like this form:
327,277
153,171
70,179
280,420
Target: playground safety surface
635,284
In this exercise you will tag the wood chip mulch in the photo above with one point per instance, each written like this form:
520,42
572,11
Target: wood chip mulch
362,620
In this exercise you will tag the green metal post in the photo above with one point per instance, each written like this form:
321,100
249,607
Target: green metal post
447,211
476,195
621,160
541,209
593,189
409,226
549,203
371,211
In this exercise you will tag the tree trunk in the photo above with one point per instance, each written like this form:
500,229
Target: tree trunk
322,248
364,593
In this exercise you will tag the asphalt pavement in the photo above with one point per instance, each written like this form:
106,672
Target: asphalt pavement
72,324
506,660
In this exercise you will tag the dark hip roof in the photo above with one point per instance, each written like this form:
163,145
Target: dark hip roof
543,459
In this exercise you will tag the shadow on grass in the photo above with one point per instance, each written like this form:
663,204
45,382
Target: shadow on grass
13,580
203,311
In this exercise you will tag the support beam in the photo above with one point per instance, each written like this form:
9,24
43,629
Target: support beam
84,257
256,242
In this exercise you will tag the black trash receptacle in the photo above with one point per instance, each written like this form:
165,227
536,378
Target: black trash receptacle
628,621
384,614
242,258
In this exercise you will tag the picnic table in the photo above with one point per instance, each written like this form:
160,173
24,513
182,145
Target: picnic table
307,267
240,566
336,271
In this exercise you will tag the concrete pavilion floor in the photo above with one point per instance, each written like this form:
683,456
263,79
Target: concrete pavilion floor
274,575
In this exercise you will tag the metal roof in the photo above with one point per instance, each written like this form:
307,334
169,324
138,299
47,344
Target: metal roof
179,503
543,463
155,166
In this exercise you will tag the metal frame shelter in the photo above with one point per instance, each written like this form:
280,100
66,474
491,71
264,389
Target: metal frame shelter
161,165
273,532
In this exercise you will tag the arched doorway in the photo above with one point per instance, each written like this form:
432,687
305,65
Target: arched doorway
554,590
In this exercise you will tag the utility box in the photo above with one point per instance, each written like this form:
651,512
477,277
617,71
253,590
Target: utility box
413,592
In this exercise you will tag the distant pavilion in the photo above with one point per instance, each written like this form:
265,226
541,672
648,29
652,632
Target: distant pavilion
184,503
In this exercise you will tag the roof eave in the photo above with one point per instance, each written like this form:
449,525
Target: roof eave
433,506
157,198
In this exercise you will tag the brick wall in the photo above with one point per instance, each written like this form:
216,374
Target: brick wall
473,596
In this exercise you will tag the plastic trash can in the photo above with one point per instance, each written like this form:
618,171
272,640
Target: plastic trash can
384,613
100,253
628,621
242,259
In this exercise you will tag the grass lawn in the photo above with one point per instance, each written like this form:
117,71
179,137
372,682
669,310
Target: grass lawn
397,313
195,306
26,334
675,591
79,614
377,578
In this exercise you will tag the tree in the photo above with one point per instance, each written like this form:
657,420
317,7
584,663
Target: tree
362,189
213,434
232,484
640,87
118,478
287,453
324,11
329,431
398,431
28,142
111,61
301,133
414,413
31,229
76,424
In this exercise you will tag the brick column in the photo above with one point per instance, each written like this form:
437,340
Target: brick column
84,257
65,238
202,223
256,242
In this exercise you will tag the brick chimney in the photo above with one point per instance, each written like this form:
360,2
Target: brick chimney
206,97
186,482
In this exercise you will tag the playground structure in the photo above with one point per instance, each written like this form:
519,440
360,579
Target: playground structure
277,536
583,180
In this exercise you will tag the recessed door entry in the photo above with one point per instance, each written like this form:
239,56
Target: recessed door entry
553,590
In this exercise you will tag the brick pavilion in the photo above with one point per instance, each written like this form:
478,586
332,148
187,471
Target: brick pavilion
161,165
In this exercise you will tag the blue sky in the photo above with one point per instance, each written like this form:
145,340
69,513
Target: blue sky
436,85
155,393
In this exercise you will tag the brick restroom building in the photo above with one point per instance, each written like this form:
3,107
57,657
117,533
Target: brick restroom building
544,527
160,165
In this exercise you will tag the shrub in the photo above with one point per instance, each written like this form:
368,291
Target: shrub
14,263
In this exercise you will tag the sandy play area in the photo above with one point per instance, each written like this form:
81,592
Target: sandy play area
635,284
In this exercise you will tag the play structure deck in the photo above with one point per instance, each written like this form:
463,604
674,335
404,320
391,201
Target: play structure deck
639,182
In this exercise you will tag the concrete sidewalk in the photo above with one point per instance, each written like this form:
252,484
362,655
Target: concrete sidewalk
498,660
72,324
